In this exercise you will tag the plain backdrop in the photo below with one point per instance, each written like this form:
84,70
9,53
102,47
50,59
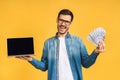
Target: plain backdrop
37,18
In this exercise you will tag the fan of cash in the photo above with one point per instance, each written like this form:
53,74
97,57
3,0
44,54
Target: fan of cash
97,35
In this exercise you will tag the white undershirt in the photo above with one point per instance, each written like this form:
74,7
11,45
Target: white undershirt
64,65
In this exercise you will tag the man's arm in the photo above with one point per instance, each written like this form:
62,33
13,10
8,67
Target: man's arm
88,60
37,64
43,64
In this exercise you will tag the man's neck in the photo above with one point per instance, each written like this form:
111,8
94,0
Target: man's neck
62,35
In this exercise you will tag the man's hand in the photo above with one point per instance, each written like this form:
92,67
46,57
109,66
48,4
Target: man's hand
100,48
28,58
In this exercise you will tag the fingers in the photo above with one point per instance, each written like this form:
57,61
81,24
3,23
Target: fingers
20,57
101,46
28,58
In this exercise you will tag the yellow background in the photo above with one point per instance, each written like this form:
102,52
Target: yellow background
37,18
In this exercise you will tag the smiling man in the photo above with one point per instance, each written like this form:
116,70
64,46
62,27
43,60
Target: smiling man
64,54
63,23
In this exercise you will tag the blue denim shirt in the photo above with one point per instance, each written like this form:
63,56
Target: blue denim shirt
77,54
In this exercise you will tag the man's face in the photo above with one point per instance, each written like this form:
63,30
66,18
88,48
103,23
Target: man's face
63,23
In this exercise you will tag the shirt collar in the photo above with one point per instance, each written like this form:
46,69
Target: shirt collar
67,36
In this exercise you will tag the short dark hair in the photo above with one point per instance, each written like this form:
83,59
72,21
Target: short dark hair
66,12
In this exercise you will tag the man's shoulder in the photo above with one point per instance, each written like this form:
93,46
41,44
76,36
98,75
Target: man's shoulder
76,37
76,40
50,39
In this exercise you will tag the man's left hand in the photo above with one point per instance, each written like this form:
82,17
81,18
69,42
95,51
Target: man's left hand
101,47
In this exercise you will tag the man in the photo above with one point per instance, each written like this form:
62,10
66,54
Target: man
63,54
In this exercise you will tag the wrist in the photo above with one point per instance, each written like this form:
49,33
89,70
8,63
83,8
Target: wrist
30,59
96,51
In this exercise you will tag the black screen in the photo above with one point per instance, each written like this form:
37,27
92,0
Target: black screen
20,46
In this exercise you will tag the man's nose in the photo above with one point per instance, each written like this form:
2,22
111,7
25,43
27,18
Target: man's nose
63,23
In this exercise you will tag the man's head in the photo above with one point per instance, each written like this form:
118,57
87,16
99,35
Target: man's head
64,19
66,12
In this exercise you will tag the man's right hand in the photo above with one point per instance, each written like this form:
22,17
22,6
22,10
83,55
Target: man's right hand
28,58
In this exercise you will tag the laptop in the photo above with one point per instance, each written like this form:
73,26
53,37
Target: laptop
20,46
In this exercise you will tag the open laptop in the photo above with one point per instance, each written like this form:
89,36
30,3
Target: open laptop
20,46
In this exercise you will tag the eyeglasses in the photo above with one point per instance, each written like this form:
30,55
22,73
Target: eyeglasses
64,21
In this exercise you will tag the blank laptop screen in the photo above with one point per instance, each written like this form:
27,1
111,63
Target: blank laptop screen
20,46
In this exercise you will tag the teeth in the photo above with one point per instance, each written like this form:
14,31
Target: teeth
62,27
